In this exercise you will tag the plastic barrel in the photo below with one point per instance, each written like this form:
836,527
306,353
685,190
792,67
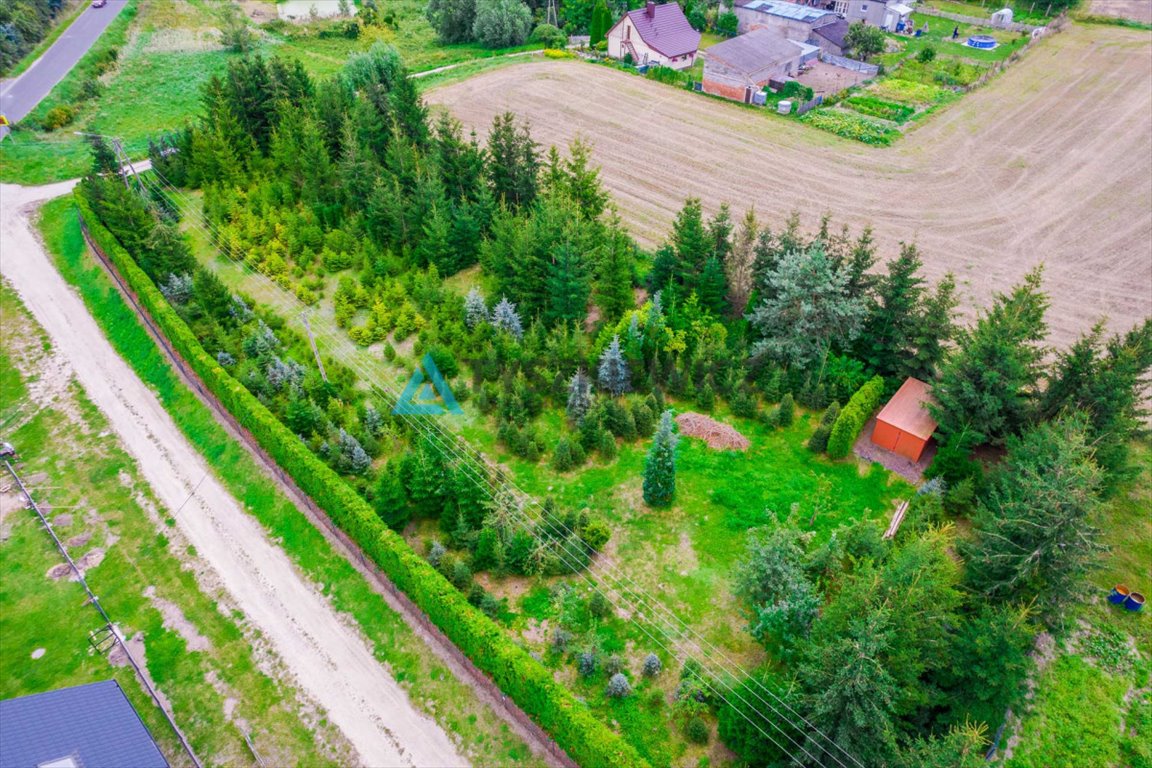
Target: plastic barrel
1119,594
1134,601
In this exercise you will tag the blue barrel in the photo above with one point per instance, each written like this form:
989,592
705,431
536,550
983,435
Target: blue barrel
1119,594
1134,601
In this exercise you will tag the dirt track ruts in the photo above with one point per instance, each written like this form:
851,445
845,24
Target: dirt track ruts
1050,162
331,660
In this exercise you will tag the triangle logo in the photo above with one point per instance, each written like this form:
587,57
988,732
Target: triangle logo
427,394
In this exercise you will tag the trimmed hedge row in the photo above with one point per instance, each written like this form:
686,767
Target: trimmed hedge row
854,416
586,740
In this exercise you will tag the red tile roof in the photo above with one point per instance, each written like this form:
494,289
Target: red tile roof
664,28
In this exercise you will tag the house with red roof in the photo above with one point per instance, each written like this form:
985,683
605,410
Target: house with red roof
655,34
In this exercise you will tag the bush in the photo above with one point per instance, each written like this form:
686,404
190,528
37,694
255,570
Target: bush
569,455
652,665
587,663
549,36
786,411
599,606
926,55
727,23
853,418
595,534
587,740
58,117
618,686
697,731
851,126
819,440
614,665
501,23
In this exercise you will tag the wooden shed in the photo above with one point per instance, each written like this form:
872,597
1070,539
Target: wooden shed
904,425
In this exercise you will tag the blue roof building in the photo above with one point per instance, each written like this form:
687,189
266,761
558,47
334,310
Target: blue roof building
86,726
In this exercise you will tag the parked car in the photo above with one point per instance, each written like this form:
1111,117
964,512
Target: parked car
99,3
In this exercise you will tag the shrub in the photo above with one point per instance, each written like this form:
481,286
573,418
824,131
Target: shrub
697,730
501,23
599,606
568,455
595,534
58,117
786,411
819,440
652,665
561,639
549,36
926,55
727,23
853,418
587,663
614,665
618,686
587,740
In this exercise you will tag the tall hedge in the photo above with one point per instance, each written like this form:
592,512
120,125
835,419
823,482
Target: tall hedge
586,740
854,416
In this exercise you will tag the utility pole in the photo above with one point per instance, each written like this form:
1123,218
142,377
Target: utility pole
552,17
312,341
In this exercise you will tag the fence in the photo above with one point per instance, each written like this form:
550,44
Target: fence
986,21
871,70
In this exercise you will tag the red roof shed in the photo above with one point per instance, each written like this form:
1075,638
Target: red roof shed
904,425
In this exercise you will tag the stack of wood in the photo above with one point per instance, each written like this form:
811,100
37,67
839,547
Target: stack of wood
719,436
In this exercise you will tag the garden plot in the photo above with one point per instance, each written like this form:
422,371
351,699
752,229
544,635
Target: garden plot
988,188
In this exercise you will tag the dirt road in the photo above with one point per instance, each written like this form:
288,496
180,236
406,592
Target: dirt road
330,659
1051,162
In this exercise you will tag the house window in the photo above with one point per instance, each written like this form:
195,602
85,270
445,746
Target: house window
864,8
841,7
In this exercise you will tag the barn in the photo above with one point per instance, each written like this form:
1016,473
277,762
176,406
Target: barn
741,67
904,425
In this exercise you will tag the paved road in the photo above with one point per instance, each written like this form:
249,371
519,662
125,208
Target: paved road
21,95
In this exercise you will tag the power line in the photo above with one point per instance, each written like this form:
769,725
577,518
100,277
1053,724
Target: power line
466,455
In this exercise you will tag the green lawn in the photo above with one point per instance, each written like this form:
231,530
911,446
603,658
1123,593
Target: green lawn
1021,11
432,685
90,479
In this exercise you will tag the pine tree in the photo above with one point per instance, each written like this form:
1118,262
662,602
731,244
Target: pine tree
475,308
389,499
506,318
514,162
660,464
613,373
614,272
579,397
987,387
936,327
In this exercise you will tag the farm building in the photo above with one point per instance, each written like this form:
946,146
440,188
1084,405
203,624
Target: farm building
830,37
738,68
655,34
904,425
78,727
789,20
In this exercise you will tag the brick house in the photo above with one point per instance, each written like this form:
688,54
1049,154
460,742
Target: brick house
738,68
655,34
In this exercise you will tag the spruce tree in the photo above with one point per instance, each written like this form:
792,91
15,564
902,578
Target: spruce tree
690,240
660,464
475,308
713,289
613,373
739,264
579,397
988,387
514,162
506,318
567,287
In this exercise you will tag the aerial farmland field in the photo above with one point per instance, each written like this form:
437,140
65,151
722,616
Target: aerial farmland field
1051,162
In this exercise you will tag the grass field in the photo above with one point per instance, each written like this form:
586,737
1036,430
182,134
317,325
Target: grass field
204,660
431,685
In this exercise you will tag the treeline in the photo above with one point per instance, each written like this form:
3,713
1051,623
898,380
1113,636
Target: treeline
23,24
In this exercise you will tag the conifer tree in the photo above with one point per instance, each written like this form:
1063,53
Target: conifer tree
613,373
601,21
738,266
660,465
690,240
988,386
713,287
475,308
506,318
579,397
567,287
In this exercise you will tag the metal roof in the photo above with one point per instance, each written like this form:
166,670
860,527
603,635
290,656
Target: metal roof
786,10
756,51
94,725
908,409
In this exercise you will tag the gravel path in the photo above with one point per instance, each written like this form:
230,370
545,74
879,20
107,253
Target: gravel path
330,659
1050,162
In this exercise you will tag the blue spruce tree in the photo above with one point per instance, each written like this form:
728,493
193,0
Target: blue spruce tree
613,373
660,465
